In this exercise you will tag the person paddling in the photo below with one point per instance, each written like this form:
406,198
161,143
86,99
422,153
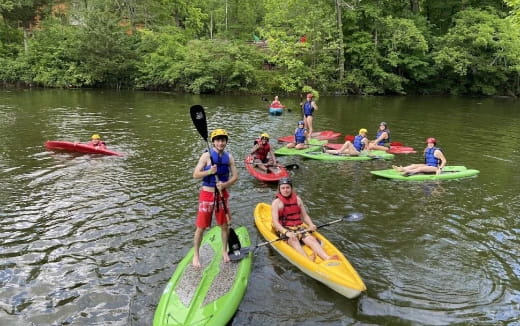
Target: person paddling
213,196
263,153
289,216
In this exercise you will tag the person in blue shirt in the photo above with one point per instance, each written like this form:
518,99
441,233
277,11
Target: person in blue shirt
301,137
382,141
434,161
308,108
353,148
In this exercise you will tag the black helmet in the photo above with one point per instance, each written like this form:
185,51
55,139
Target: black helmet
285,181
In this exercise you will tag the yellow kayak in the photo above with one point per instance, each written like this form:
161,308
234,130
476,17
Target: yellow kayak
339,275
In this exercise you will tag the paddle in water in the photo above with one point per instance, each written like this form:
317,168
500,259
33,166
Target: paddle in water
352,217
198,116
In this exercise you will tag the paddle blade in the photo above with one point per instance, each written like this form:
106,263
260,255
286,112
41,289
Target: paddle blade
239,254
233,241
198,116
349,138
396,143
352,217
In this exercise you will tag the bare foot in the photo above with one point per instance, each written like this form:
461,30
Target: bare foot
312,257
397,168
333,257
225,257
196,262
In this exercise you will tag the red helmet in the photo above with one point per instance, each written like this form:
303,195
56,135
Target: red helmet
431,140
310,95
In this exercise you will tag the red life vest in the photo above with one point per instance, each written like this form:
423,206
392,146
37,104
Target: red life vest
262,150
290,214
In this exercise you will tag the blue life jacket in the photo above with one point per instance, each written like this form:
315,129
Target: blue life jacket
307,108
430,159
358,143
299,136
386,141
222,163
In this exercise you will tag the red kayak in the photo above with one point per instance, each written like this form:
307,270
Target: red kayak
320,135
277,172
78,148
393,149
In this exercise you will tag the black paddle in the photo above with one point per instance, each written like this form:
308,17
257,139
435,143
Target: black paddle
352,217
288,166
198,116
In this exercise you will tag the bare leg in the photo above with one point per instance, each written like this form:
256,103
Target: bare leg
196,244
295,243
308,120
225,232
313,243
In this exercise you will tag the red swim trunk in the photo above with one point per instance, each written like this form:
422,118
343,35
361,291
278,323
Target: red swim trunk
206,207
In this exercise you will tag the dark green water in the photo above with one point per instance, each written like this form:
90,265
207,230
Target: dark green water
89,240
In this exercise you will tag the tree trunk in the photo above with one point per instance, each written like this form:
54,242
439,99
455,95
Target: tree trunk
414,6
341,47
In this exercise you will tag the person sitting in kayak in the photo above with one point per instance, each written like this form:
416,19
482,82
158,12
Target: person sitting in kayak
276,103
434,161
382,141
301,136
353,148
218,172
96,142
289,214
263,153
308,108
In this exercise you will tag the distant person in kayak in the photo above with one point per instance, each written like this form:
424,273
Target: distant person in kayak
382,141
308,108
96,142
434,161
353,148
263,153
301,137
289,214
217,176
276,103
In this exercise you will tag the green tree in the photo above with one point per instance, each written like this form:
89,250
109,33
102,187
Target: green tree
480,54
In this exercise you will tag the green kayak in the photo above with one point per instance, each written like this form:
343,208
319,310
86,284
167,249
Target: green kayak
315,145
448,172
370,155
209,295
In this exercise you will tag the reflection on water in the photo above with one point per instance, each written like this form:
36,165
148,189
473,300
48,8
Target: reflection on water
89,239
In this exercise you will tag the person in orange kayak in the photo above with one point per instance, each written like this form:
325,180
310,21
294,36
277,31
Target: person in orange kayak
263,153
434,161
354,148
289,216
218,172
96,142
301,137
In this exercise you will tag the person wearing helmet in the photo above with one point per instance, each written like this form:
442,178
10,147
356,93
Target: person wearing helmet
218,172
308,108
96,142
301,137
382,141
434,161
263,153
353,148
289,215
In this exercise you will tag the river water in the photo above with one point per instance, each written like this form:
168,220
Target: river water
92,240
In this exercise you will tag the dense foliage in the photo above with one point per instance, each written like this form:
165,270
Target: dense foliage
263,46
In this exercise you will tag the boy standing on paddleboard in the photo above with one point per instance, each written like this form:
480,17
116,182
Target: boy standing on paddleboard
218,172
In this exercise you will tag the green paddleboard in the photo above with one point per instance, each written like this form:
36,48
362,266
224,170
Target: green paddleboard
209,295
315,145
448,172
365,156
